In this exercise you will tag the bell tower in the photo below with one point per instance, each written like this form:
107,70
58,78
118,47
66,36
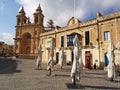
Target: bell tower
38,16
21,18
27,36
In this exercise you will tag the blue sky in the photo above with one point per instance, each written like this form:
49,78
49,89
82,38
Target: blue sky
60,11
8,12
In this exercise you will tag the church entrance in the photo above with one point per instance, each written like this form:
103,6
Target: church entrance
26,43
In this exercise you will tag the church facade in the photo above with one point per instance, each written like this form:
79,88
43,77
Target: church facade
94,36
27,34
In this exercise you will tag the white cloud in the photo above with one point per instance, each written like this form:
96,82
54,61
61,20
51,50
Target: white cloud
62,10
7,38
1,6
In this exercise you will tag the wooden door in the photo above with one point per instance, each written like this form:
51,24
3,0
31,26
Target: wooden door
88,61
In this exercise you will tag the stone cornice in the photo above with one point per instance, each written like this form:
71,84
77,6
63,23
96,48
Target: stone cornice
83,24
17,38
88,23
67,28
108,17
28,25
47,33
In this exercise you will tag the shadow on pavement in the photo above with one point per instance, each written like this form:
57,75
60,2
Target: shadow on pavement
102,87
96,73
72,86
62,75
78,86
8,66
93,77
114,81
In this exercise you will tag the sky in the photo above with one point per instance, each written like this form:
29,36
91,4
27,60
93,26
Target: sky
60,11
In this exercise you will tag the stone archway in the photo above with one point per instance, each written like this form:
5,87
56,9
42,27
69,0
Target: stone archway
26,43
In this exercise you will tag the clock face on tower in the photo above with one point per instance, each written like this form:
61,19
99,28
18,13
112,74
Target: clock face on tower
73,21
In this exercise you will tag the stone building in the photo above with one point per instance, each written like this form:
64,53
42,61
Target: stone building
1,47
94,37
27,34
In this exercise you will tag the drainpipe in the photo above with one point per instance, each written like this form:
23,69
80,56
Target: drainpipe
116,30
98,40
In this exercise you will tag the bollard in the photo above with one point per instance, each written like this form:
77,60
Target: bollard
74,80
50,72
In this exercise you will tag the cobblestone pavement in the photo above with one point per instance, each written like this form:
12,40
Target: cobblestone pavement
20,74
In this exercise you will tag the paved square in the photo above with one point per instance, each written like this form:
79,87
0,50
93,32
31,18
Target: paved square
20,74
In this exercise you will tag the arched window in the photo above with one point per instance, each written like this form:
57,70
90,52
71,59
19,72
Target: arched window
18,21
36,19
28,39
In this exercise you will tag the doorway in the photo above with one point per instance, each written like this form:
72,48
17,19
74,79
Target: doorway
26,43
106,59
57,58
88,60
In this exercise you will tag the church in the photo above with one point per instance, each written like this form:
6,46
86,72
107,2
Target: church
94,36
27,36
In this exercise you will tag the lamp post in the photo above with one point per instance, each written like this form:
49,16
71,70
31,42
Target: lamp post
98,40
36,46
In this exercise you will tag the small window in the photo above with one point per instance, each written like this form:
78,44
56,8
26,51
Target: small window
42,20
87,38
62,41
36,19
18,21
106,35
17,33
16,46
28,39
36,31
24,21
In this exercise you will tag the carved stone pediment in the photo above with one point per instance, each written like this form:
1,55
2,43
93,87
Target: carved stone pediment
73,21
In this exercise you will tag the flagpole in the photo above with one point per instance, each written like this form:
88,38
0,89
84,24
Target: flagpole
74,82
74,9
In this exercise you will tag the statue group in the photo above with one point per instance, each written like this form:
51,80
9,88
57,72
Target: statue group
77,65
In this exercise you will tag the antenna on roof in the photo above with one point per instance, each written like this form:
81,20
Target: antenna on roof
74,9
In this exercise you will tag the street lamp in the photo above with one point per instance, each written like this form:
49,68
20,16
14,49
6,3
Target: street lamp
36,36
